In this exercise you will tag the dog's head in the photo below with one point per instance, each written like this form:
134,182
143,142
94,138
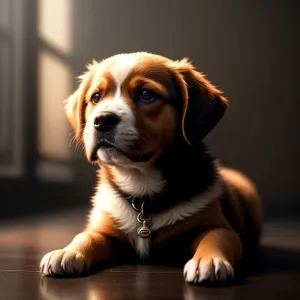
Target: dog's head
130,107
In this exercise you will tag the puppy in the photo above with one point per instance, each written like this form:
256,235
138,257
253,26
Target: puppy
160,195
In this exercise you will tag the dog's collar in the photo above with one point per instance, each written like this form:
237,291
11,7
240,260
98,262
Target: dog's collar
142,206
147,200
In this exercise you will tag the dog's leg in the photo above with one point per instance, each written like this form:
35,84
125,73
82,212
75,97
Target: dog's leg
216,252
86,249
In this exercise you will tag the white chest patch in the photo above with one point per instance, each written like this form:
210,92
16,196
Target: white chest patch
107,200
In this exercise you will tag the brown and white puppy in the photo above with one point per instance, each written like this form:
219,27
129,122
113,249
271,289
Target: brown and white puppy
160,194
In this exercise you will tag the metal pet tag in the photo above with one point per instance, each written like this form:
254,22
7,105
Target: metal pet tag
144,231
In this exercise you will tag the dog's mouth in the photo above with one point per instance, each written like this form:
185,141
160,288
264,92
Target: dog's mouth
112,150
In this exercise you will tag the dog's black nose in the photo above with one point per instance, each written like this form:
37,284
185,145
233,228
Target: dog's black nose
106,121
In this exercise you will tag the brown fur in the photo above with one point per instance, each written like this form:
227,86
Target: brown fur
218,231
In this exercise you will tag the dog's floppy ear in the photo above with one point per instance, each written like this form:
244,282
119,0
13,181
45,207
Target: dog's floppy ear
73,107
203,103
75,104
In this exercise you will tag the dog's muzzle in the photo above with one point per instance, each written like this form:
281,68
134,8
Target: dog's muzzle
105,124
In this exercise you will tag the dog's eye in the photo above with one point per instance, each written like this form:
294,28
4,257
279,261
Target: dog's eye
147,96
96,98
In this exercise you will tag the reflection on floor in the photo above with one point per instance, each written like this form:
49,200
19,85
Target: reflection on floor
23,243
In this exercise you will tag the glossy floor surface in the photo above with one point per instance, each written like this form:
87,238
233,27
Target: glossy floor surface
22,244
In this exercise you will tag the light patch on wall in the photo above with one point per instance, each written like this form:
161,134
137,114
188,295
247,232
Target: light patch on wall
55,83
54,23
5,14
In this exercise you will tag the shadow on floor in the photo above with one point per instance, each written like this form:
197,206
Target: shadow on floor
270,260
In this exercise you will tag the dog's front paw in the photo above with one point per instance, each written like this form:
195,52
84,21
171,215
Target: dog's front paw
63,263
208,270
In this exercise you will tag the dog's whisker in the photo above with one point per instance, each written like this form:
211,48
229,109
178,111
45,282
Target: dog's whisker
145,136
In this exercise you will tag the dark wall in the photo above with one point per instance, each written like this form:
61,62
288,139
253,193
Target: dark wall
249,49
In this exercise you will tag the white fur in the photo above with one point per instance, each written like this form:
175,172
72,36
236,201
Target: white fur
208,269
120,71
138,182
62,262
107,200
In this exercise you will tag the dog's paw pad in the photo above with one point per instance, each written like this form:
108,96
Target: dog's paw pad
62,263
208,270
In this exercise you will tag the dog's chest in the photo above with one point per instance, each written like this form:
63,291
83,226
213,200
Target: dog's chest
129,221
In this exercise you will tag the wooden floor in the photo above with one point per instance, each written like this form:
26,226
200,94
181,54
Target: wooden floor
23,243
